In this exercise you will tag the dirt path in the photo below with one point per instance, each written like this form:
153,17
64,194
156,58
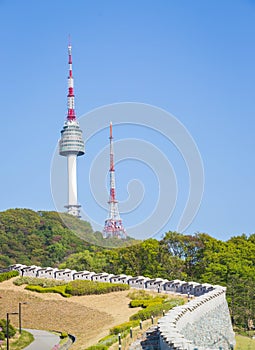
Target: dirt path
87,317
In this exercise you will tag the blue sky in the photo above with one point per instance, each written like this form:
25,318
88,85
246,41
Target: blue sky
194,59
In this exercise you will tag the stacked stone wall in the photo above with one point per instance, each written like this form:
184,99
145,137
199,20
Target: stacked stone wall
203,323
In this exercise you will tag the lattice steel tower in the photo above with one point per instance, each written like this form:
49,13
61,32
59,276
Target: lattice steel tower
71,144
113,224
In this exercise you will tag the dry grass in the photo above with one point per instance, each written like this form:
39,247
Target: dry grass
87,317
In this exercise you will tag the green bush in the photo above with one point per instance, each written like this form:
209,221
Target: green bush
155,309
43,282
124,326
12,330
146,305
7,275
139,295
146,302
81,287
58,289
108,340
63,335
136,303
78,287
144,314
98,347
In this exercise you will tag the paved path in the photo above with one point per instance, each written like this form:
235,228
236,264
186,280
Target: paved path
43,340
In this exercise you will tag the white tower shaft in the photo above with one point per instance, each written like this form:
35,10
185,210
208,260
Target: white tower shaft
72,179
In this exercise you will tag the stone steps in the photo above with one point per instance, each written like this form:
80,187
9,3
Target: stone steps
148,341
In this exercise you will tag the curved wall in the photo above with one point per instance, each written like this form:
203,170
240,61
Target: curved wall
203,323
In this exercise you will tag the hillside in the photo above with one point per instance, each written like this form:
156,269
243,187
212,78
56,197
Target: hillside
43,238
96,313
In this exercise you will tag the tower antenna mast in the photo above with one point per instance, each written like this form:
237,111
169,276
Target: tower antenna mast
113,224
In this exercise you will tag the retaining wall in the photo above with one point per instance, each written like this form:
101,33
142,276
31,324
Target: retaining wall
203,323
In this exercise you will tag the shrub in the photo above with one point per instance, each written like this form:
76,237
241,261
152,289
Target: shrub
80,287
136,303
63,335
144,303
12,330
7,275
20,281
108,340
144,314
98,347
58,289
139,295
77,287
155,309
124,326
43,282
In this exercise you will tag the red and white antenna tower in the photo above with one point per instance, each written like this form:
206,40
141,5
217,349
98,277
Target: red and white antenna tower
113,224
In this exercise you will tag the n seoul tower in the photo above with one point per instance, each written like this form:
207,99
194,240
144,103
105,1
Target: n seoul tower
113,224
71,144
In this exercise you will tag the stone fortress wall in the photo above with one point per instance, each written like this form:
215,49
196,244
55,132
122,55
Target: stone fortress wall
201,324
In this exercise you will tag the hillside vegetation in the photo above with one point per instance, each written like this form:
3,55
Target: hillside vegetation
199,258
41,238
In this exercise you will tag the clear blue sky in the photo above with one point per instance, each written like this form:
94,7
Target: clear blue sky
195,59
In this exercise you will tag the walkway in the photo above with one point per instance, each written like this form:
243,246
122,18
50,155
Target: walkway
43,340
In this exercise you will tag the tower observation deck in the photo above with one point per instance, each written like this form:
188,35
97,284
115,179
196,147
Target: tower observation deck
71,144
113,224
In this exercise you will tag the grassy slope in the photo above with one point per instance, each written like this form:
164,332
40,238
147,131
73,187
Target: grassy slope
244,343
21,342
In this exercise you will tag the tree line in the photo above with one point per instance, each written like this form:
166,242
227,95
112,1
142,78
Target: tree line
199,257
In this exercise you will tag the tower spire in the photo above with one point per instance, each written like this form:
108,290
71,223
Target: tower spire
113,224
70,97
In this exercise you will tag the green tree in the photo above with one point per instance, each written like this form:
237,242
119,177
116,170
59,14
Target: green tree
11,329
